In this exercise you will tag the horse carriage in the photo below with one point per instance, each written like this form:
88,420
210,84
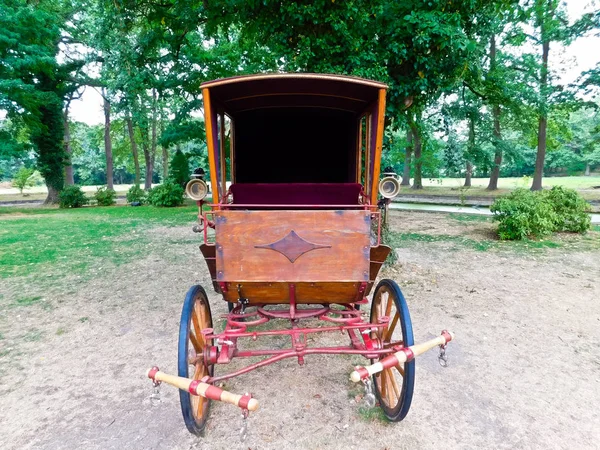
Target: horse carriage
295,238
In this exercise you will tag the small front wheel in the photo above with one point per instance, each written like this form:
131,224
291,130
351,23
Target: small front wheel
394,386
195,317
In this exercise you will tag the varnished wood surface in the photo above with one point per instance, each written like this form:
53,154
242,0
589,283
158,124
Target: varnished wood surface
208,251
278,292
344,236
210,143
378,146
377,258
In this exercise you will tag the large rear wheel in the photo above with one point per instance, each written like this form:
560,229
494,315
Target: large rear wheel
394,386
195,317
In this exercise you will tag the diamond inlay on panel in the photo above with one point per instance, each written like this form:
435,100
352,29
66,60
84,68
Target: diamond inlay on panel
292,246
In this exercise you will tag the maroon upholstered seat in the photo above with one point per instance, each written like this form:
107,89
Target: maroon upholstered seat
318,194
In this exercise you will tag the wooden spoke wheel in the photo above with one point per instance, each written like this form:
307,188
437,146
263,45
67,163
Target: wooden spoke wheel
394,386
195,317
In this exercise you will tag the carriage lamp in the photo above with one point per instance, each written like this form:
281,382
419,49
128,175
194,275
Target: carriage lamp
196,189
389,187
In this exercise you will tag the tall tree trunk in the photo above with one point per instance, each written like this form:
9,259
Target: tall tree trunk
493,184
108,143
134,150
69,179
52,197
495,175
587,169
417,147
165,153
48,141
543,115
468,174
470,150
153,142
407,154
149,167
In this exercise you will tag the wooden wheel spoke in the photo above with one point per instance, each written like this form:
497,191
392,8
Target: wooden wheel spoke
390,394
390,330
197,346
197,329
393,398
394,383
400,369
382,382
200,407
388,307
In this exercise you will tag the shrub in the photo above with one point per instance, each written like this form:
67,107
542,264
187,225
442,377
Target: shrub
522,214
570,208
166,194
525,214
136,194
105,196
23,179
72,197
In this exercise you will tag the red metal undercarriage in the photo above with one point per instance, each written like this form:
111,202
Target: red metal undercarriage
363,339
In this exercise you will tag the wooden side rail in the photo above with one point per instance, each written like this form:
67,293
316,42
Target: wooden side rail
402,356
196,387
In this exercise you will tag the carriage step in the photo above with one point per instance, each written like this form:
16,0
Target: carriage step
196,387
400,357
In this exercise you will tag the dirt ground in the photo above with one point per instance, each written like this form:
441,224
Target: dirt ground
524,368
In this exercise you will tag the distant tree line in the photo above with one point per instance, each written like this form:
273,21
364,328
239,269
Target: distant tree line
472,88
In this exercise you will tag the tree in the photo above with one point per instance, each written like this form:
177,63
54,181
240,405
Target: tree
33,83
23,179
107,141
420,49
180,169
550,26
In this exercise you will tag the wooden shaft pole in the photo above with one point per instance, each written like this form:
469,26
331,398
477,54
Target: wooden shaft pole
205,390
400,357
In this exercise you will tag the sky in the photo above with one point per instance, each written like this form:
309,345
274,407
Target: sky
583,54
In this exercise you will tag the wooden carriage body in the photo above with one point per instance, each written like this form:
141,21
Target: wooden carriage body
298,221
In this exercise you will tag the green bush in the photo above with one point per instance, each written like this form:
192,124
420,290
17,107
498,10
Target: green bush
72,197
105,196
166,194
524,214
136,194
570,208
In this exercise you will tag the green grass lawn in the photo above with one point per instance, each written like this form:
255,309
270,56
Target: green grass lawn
55,241
454,186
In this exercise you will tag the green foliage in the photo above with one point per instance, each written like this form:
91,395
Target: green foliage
33,81
523,213
179,170
72,197
105,196
570,208
136,194
23,179
167,194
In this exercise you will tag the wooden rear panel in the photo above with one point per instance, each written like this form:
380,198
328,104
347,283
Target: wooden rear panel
291,246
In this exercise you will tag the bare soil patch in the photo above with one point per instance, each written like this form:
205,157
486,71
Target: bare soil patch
524,369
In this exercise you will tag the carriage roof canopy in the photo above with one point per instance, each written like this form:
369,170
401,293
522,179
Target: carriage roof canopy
293,128
251,92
